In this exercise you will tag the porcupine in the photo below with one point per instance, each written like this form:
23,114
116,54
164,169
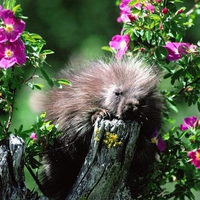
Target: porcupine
125,89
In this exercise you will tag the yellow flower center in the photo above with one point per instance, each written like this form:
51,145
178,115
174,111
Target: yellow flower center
122,44
9,28
154,140
9,53
198,155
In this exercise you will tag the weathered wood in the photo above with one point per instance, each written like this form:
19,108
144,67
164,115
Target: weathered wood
103,175
107,165
12,179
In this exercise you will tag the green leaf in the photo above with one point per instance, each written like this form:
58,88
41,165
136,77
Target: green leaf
107,48
135,11
155,17
148,35
192,71
17,8
49,81
47,52
167,75
161,53
172,106
177,75
133,2
44,74
64,82
38,86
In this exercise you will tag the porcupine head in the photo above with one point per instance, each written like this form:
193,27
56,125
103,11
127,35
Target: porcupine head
130,92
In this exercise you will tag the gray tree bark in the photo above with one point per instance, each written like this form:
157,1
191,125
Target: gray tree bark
103,175
107,165
12,179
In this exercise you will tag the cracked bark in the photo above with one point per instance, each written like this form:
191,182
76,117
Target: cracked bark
103,175
106,169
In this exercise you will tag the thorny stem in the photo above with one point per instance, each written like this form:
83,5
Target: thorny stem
186,86
11,106
31,77
9,117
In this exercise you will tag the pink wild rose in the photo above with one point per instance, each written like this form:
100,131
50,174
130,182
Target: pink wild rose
125,14
175,49
124,4
147,6
12,53
158,140
189,122
120,43
195,157
11,28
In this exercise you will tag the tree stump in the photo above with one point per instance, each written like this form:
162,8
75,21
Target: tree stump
103,175
107,165
12,179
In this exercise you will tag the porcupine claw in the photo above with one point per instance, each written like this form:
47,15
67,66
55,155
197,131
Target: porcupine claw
102,113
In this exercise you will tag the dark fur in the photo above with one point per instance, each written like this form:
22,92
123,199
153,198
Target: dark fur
122,89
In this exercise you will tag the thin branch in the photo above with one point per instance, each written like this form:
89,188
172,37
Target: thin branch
186,86
34,177
193,8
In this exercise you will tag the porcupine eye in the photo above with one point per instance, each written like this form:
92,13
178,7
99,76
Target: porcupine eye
118,92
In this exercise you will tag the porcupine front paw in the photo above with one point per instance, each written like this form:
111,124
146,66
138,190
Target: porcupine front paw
102,113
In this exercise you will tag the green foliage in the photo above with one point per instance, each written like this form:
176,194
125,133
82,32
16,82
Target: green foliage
45,134
13,78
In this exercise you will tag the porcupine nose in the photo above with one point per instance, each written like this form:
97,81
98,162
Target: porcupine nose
129,110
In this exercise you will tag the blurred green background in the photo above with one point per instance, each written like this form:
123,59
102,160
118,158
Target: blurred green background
75,30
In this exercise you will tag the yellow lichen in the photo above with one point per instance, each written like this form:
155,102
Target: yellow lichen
96,135
112,140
